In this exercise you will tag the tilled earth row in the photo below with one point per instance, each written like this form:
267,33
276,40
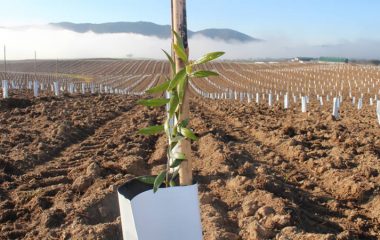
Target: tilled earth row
290,175
262,173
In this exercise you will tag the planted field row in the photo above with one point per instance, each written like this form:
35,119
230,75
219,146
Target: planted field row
291,85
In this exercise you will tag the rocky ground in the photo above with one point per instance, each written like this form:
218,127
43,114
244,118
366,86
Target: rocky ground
262,173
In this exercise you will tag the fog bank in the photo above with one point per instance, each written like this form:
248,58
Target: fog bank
51,43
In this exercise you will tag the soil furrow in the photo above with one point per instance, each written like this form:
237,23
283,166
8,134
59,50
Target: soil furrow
311,206
74,176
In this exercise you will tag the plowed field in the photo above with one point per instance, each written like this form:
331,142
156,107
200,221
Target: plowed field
263,172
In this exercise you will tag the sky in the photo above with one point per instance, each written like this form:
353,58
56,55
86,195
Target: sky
298,26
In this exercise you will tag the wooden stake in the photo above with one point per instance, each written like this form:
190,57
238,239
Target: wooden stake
179,25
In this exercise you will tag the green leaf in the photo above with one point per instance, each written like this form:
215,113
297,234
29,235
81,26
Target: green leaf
175,174
181,88
158,181
181,53
184,123
170,60
167,127
147,179
173,104
177,139
176,163
172,183
179,48
179,39
175,131
177,78
178,155
151,130
208,57
172,146
188,134
189,69
157,102
202,74
159,88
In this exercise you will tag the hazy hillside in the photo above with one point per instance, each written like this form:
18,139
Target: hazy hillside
152,29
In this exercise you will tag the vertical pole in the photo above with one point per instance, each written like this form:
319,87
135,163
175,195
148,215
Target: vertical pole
179,25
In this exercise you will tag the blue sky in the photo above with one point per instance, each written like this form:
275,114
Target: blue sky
313,21
289,28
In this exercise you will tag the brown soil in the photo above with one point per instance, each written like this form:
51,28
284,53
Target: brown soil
263,173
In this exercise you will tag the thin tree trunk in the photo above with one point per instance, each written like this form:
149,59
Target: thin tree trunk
179,25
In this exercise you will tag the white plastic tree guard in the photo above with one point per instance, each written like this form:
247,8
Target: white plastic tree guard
56,88
338,103
360,103
5,89
36,87
83,88
304,104
335,111
270,99
13,85
286,101
71,88
257,98
169,214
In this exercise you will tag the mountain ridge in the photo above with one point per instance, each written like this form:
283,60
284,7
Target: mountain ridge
152,29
